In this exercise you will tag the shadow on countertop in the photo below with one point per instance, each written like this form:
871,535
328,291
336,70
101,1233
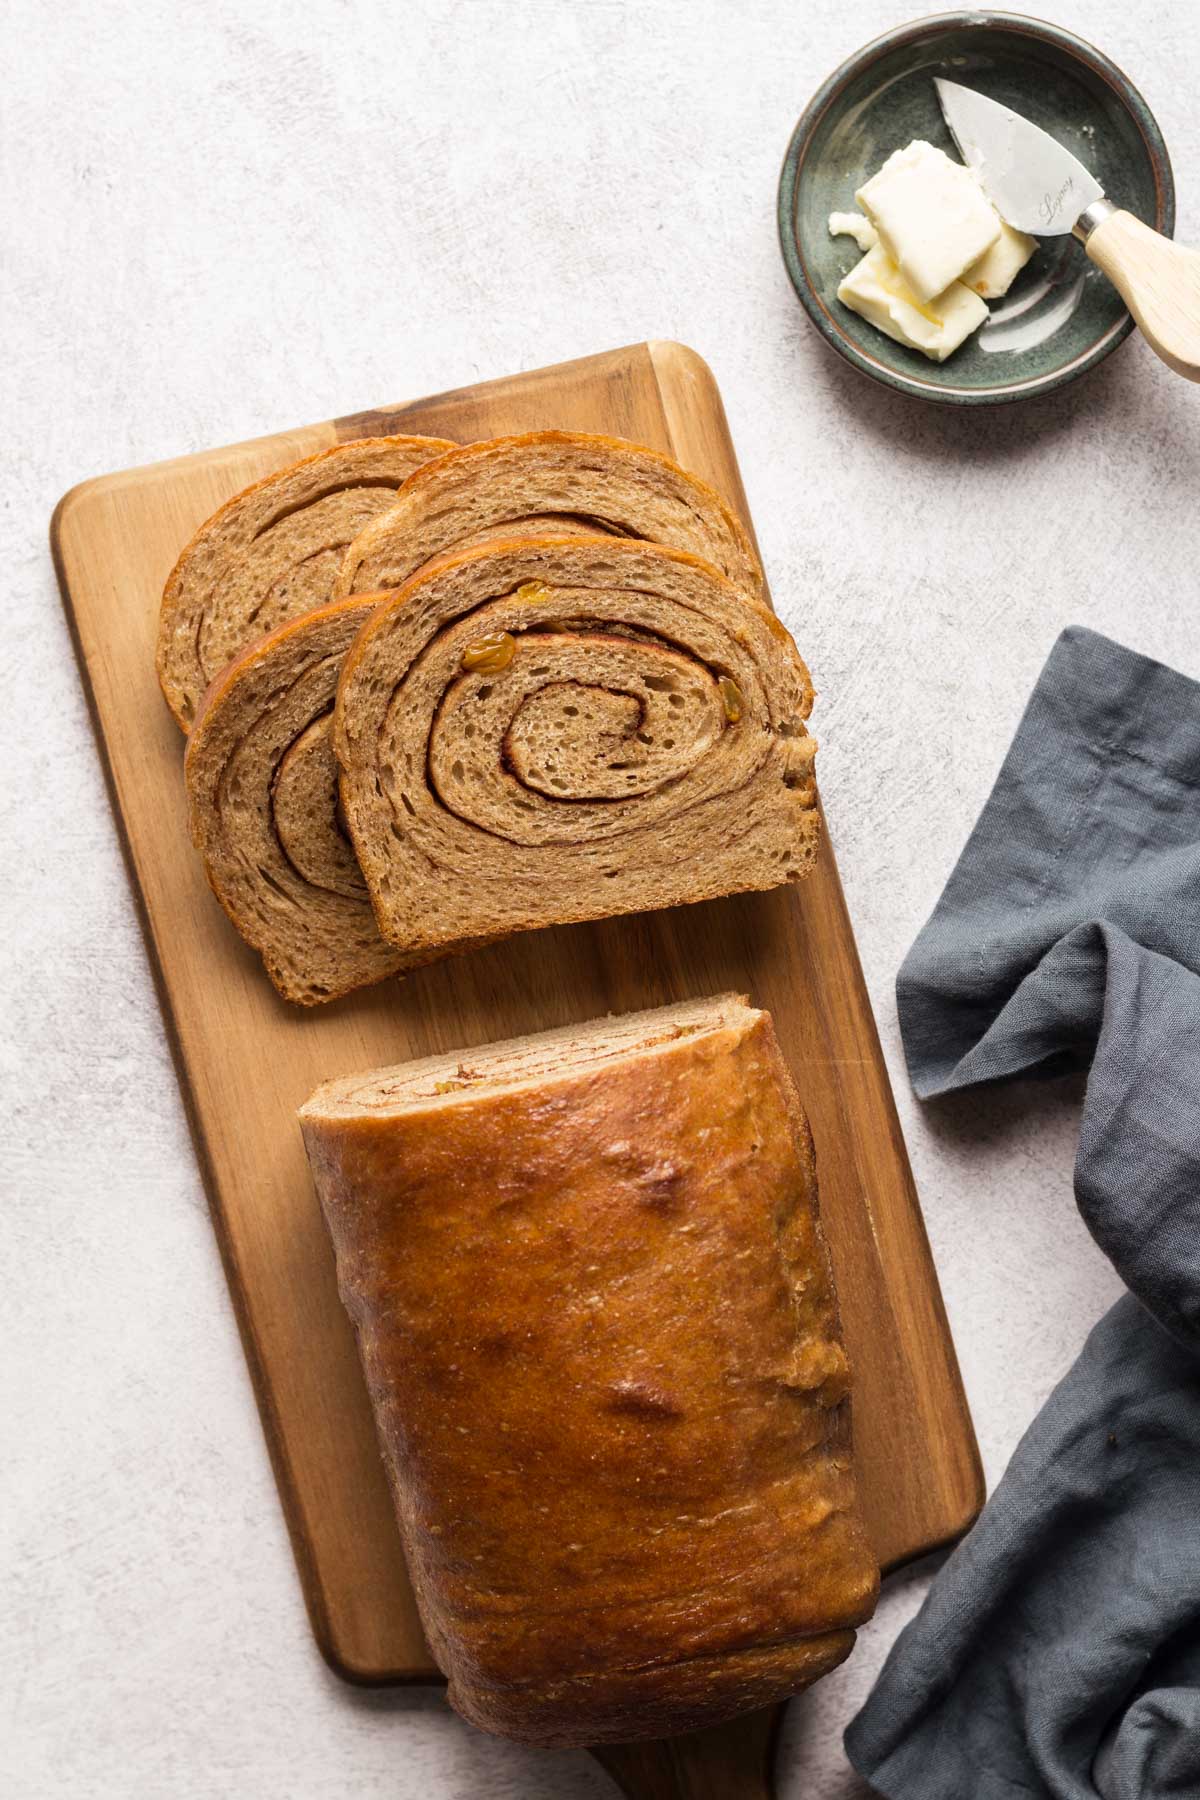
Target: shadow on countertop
1130,392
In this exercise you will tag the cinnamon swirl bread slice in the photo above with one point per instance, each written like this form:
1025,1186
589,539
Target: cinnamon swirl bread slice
542,730
270,554
262,795
547,482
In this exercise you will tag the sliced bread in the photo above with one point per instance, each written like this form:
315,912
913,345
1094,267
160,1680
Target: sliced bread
542,730
547,482
262,798
270,554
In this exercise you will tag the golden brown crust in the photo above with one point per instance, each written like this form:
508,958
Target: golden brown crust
658,1701
598,1325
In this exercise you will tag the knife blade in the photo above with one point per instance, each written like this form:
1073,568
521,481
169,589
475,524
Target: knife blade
1032,181
1036,185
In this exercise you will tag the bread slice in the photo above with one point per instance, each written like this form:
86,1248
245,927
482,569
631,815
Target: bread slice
551,729
599,1329
552,482
270,554
262,798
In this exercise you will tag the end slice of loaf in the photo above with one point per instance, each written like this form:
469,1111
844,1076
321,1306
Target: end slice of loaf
636,741
271,553
548,482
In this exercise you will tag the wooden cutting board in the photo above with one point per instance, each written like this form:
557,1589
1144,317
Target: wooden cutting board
246,1059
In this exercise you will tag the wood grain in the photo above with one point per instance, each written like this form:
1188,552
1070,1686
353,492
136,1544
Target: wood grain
733,1761
1159,282
246,1059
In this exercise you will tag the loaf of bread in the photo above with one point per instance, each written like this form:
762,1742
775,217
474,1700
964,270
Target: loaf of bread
270,554
263,803
551,729
555,482
598,1324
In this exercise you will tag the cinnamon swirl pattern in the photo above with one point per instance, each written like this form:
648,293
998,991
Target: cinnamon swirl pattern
262,798
270,554
547,482
541,730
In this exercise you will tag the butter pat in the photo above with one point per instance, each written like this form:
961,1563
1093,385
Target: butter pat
933,218
998,268
875,290
853,224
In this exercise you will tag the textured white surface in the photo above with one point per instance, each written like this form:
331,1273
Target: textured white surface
220,220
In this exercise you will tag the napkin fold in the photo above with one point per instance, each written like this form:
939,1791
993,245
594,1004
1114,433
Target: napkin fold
1058,1652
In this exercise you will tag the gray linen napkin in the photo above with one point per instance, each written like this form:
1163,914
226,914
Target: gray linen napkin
1058,1652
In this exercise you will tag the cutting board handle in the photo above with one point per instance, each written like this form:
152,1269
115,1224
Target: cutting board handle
733,1761
1159,282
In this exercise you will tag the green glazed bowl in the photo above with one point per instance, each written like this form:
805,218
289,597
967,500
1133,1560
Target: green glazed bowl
1061,316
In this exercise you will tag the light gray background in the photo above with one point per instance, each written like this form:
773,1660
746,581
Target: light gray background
219,220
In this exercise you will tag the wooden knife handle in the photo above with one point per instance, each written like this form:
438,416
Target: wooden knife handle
733,1761
1159,282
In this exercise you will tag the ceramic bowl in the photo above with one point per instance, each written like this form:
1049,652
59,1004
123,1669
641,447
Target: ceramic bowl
1061,316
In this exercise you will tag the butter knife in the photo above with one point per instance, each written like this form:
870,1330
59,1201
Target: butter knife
1038,186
